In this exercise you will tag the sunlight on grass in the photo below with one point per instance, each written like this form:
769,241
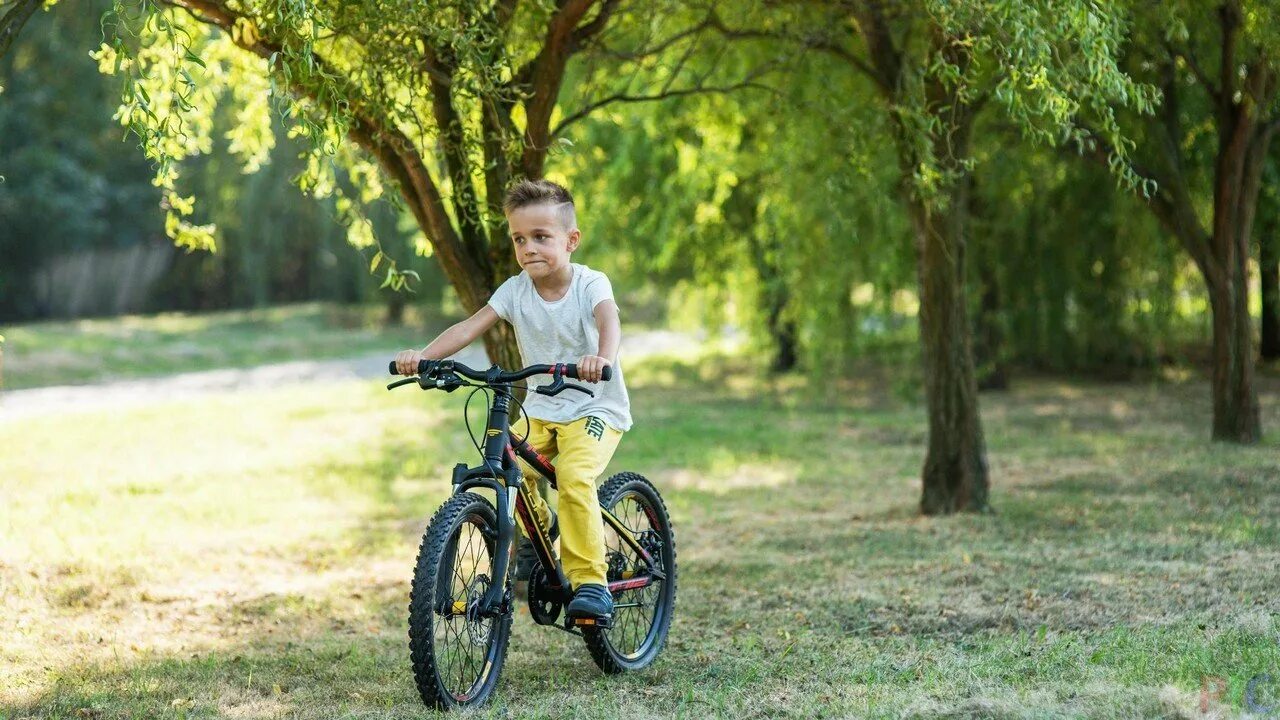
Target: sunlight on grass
235,496
724,477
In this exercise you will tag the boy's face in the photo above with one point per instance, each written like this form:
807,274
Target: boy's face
543,237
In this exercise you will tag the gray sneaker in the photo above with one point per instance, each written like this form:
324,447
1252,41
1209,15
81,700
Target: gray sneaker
592,601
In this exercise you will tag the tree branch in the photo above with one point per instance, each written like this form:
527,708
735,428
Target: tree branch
503,11
12,22
466,203
623,97
583,34
1189,58
1229,17
886,57
807,41
1171,204
386,142
542,78
659,48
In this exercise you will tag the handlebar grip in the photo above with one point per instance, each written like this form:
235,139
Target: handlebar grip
423,366
571,371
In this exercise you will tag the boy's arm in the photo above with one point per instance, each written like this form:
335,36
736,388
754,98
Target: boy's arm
590,367
457,337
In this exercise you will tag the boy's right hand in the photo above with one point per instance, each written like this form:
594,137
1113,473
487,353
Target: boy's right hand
407,361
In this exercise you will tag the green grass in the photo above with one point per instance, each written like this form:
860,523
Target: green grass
247,555
84,351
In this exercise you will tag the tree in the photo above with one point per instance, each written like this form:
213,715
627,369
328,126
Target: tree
1208,182
452,99
934,66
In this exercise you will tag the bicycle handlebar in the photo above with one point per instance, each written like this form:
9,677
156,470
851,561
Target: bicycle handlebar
569,370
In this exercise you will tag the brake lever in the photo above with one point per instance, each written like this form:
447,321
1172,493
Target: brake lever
559,386
448,383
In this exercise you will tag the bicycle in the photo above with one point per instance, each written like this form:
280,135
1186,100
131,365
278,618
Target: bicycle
461,602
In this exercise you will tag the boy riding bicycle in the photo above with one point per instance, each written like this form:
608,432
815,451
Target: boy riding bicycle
559,310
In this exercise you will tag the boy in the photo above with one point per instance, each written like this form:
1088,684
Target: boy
560,310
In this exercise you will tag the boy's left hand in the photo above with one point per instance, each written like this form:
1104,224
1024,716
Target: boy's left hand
590,367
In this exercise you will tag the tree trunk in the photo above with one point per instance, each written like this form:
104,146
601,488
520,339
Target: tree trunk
1269,261
1237,179
395,308
955,468
774,296
783,332
1235,403
741,213
955,476
500,344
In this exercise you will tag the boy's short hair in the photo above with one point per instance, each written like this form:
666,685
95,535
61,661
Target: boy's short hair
524,193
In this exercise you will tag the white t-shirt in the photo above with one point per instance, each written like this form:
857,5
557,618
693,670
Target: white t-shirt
562,332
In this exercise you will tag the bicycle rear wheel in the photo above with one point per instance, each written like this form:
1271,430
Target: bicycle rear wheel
457,654
641,616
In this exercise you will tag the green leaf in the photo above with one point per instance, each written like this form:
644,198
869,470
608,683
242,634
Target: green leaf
192,57
373,265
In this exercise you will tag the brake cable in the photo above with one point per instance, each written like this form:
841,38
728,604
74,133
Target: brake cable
466,408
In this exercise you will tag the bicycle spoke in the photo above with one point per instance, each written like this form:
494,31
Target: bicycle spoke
463,644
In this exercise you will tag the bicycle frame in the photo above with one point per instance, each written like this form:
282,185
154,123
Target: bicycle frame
501,473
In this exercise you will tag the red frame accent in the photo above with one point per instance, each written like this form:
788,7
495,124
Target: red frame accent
632,584
523,449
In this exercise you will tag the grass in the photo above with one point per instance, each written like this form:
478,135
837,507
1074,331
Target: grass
85,351
247,555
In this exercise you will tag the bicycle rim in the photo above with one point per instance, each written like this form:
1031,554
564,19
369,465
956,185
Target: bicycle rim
639,614
465,643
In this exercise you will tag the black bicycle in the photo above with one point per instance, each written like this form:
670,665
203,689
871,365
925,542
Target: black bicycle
461,603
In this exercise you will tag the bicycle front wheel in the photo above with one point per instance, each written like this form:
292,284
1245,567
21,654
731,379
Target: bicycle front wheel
457,653
642,615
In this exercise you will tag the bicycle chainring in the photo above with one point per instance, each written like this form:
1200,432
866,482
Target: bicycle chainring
544,606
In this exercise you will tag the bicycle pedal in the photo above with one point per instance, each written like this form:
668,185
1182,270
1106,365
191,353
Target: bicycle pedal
605,622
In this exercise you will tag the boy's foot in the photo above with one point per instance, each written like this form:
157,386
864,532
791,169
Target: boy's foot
591,601
525,554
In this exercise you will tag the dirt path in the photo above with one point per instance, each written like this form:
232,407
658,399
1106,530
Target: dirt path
18,404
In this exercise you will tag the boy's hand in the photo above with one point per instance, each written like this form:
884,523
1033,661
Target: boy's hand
590,367
407,361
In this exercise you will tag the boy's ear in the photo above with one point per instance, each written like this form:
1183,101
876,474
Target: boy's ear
575,237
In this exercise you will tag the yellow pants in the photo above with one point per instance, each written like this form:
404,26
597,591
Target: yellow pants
581,450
